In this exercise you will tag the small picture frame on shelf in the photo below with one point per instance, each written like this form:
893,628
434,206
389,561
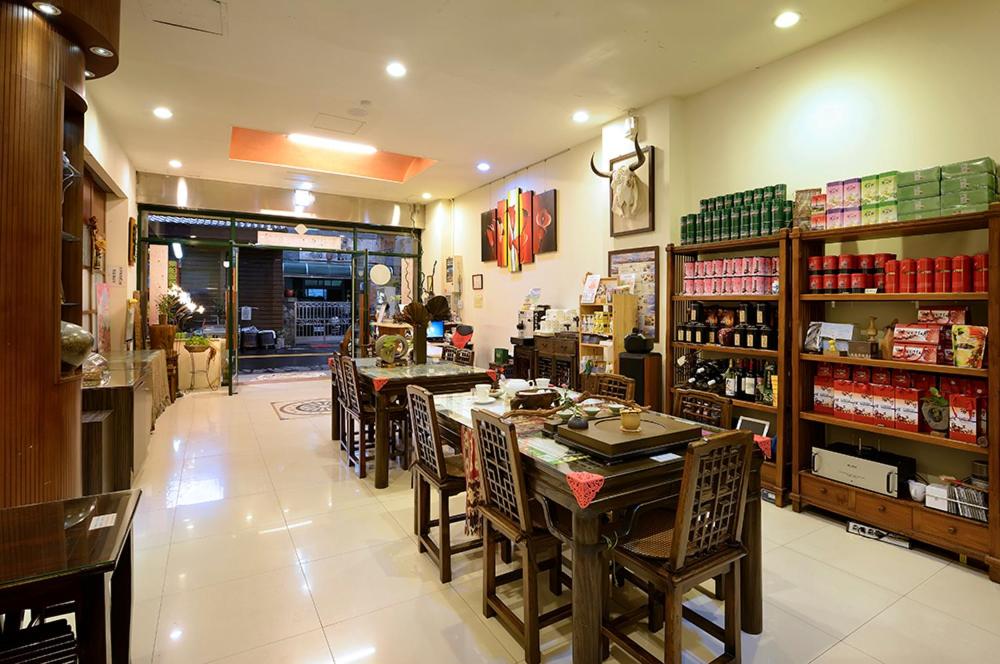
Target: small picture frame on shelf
477,282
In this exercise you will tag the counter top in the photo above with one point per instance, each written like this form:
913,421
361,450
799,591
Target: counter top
126,368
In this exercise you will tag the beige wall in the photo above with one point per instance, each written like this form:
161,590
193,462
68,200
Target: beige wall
105,156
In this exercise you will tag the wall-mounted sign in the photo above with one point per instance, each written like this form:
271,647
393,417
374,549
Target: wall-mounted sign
296,241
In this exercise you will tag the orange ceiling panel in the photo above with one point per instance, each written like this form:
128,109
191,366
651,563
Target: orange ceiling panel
265,147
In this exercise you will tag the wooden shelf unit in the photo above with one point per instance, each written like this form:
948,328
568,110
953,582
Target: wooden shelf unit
776,475
947,531
624,314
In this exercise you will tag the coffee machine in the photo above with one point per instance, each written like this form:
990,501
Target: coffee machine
529,321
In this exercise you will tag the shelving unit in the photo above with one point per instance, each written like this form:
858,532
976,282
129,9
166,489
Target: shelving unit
951,532
622,307
776,474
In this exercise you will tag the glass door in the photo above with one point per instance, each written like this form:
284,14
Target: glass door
360,309
233,319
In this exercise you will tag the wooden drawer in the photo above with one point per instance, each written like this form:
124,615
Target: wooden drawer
952,530
556,345
884,513
822,492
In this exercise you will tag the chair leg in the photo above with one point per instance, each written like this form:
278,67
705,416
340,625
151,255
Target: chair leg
733,626
363,450
489,568
444,537
349,424
719,587
605,606
654,608
529,581
506,551
672,646
422,510
555,574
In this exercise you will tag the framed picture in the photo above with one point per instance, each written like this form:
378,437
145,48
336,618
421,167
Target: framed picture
477,282
133,240
544,231
488,236
641,268
637,217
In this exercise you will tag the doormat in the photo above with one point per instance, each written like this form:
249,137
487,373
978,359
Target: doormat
291,410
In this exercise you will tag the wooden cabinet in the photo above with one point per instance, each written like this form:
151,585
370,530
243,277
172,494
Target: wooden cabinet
875,509
556,359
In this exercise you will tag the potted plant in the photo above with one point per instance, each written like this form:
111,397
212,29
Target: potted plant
197,343
934,408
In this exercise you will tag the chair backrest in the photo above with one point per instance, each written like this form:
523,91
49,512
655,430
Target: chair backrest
613,385
465,356
448,353
713,493
703,407
426,435
504,490
349,383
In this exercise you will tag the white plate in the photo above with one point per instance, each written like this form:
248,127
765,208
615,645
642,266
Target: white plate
483,402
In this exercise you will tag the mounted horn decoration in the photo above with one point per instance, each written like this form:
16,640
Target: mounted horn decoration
629,191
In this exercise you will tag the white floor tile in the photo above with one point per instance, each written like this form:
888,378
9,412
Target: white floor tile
202,562
339,532
962,591
844,654
322,497
781,526
230,515
310,648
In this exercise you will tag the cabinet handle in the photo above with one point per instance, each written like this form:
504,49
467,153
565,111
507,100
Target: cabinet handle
952,530
822,489
881,508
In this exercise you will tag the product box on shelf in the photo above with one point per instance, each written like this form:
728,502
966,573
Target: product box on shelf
835,218
869,214
942,316
969,345
835,194
917,333
907,409
887,212
902,378
966,182
843,399
823,399
963,420
802,210
852,216
886,186
842,372
852,193
968,197
917,216
914,205
861,375
919,353
919,190
880,376
863,406
869,190
923,381
908,178
884,403
953,210
980,165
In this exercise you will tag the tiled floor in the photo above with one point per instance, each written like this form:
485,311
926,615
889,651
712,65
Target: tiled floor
255,544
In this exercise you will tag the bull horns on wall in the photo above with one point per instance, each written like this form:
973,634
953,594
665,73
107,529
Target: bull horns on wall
640,160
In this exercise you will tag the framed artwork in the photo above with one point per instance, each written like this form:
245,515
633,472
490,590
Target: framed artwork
488,235
513,230
634,212
525,241
501,217
640,267
544,231
133,240
477,282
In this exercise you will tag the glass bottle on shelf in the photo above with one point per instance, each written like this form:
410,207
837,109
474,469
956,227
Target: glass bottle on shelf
731,377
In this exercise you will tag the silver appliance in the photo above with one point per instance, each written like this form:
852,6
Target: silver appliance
530,321
878,472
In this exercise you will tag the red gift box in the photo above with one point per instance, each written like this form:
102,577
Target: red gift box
963,422
918,353
950,316
881,376
861,375
841,372
843,399
863,406
884,402
907,409
918,333
923,381
824,369
823,395
901,378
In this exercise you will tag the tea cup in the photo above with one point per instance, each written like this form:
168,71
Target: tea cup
631,419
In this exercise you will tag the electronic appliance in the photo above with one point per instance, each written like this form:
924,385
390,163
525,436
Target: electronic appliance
529,321
866,468
871,532
435,330
646,369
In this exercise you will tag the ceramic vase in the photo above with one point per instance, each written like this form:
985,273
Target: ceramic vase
75,344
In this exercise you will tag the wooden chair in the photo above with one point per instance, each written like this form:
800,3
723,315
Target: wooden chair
448,353
507,511
361,412
432,469
339,411
671,551
703,407
465,356
613,385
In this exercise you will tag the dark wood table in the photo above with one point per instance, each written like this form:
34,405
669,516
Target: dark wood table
386,385
51,555
626,485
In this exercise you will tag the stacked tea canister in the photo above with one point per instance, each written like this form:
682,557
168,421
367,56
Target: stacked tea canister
743,275
883,273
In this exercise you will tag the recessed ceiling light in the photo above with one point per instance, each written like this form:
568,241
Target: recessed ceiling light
483,166
88,74
786,19
426,195
332,144
581,116
396,69
306,185
102,52
175,163
163,112
47,8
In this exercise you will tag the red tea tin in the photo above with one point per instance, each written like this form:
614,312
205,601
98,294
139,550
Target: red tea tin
859,282
981,272
925,275
829,283
879,281
844,282
907,276
847,262
866,262
891,276
942,274
815,283
830,264
961,274
815,263
881,259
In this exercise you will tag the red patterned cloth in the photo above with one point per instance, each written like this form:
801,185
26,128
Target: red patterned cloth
473,487
492,374
585,486
379,383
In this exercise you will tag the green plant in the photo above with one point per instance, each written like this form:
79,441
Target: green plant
935,398
197,340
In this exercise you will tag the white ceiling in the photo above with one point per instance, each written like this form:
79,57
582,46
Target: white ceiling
488,80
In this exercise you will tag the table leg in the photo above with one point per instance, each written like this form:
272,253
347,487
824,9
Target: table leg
751,567
334,412
92,620
381,440
588,600
121,605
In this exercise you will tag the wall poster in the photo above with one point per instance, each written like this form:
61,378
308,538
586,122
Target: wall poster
643,265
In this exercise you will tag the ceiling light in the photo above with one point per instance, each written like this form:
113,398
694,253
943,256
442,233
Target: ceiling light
483,166
175,163
47,8
88,74
332,144
396,69
102,52
302,198
306,185
426,195
163,112
178,252
581,116
786,19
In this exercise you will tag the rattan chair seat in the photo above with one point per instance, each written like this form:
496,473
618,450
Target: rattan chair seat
653,535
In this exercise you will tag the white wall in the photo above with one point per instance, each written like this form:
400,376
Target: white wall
107,159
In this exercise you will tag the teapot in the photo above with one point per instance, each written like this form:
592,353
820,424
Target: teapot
391,349
512,386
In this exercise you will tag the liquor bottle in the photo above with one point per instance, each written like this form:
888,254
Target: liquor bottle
765,391
748,391
731,378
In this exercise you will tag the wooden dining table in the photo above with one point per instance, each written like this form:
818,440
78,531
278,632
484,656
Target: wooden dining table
388,384
549,469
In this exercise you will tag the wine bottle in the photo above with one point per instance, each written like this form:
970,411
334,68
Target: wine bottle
731,378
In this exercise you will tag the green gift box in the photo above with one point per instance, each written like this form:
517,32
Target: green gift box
908,178
869,190
886,186
921,190
964,209
966,182
887,212
917,216
968,197
918,205
869,215
981,165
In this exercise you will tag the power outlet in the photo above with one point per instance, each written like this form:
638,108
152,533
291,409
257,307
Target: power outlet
874,533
